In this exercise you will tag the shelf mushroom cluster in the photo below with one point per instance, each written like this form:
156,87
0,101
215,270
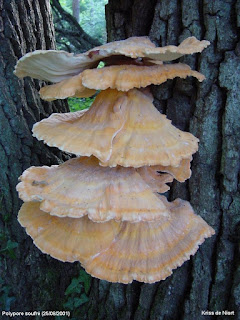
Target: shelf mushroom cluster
104,208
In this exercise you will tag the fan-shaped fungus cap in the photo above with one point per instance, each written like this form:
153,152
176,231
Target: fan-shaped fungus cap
71,87
142,47
148,137
126,77
119,252
52,65
80,186
88,133
55,66
60,237
158,181
121,77
119,129
180,173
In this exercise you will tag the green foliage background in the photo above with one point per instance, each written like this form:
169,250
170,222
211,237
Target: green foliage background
92,17
77,104
92,20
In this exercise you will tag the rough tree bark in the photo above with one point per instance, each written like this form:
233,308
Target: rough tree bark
31,281
210,280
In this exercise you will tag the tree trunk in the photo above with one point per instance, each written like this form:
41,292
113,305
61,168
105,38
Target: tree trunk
70,36
210,280
76,9
29,280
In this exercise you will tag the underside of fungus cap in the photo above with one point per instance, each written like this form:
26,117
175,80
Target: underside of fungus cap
119,251
126,77
119,129
55,65
81,187
52,65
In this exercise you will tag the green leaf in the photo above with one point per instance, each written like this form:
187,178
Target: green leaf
75,302
79,301
9,249
77,104
69,304
11,245
86,279
74,287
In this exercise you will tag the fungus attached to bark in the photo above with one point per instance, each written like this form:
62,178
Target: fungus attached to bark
85,133
181,173
120,128
72,87
142,47
103,209
158,181
119,251
81,187
121,77
126,77
56,66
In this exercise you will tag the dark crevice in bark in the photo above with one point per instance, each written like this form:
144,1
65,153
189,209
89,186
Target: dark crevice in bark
127,19
234,17
27,31
180,16
49,33
135,303
40,35
148,313
186,293
202,18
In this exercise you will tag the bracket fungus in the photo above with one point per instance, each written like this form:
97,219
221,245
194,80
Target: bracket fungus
105,208
80,186
120,128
